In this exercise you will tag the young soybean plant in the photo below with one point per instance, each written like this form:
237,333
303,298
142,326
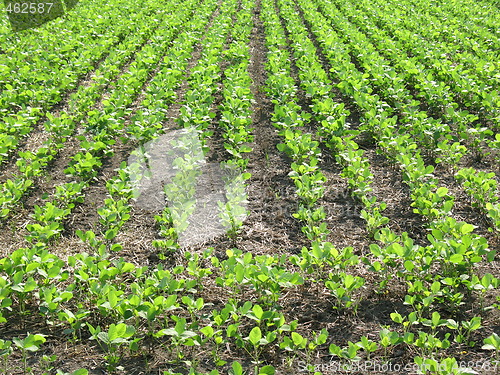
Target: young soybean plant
112,340
81,371
257,341
492,343
237,369
30,343
5,351
233,212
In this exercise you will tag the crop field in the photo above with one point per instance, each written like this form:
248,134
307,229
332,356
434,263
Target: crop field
250,187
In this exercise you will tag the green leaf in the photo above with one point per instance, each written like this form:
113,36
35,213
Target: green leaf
31,342
457,258
257,310
111,233
237,369
116,331
255,336
467,228
267,370
442,191
103,336
239,272
297,338
435,318
492,342
180,326
397,318
409,265
207,331
475,323
435,287
112,298
167,332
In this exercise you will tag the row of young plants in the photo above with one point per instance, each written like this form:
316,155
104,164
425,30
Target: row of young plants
102,127
477,94
438,137
454,248
146,124
196,114
332,119
44,66
61,127
482,187
290,121
236,108
236,119
322,257
335,132
288,118
27,284
450,154
471,87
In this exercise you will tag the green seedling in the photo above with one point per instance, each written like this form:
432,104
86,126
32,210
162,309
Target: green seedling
448,366
257,341
492,343
367,345
434,322
112,341
342,287
297,342
31,343
350,352
5,351
47,363
76,372
216,336
407,321
180,335
465,328
388,339
429,344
